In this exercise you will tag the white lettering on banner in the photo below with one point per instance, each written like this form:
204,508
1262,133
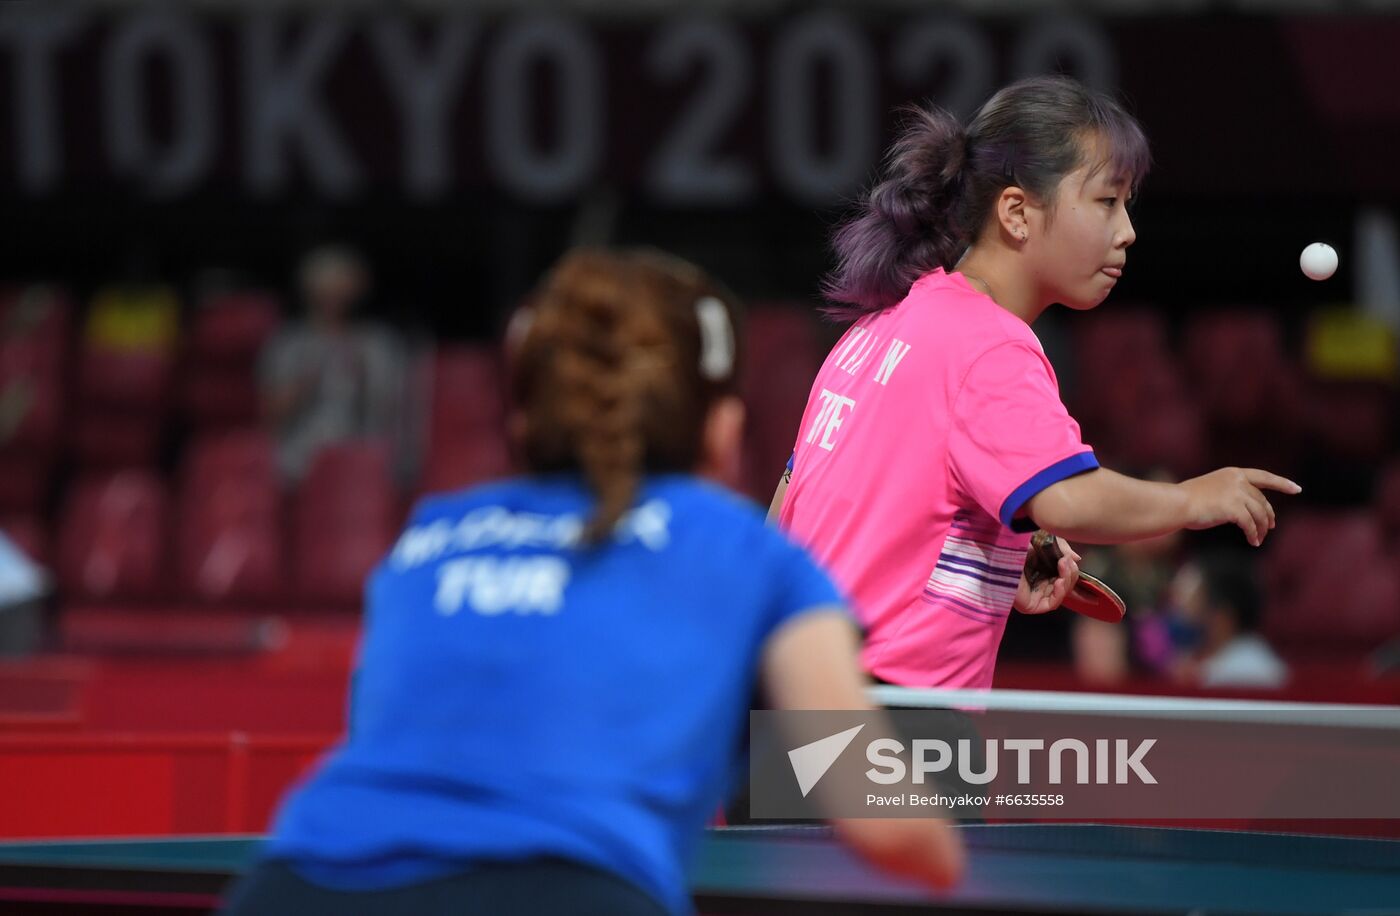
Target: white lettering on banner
1133,761
922,765
34,38
812,45
497,527
897,351
511,146
828,418
172,39
954,48
689,165
883,752
282,110
1023,748
889,768
495,585
1081,759
426,85
540,99
1054,38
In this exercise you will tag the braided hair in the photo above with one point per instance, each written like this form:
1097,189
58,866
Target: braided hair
615,362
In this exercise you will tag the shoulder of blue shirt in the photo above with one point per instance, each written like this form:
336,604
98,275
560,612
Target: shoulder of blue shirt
567,485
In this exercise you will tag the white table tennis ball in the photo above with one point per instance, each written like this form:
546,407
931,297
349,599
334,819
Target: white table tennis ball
1319,261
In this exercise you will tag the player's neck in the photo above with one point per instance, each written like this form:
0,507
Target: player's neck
998,274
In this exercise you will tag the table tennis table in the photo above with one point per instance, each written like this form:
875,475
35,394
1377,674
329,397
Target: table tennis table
1017,868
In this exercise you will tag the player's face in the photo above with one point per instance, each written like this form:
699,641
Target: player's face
1084,242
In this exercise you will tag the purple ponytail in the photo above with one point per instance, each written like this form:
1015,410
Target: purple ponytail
904,227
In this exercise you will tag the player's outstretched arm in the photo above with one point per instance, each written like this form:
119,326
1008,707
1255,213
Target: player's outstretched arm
1105,507
776,505
813,663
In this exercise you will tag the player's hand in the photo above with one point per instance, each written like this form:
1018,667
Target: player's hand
927,850
1048,592
1235,496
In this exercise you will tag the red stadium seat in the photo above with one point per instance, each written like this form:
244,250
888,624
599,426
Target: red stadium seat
781,332
1249,390
122,398
124,374
784,356
1388,504
38,317
247,454
1358,609
464,463
218,398
1129,417
346,517
467,393
233,327
24,480
117,439
219,389
1123,371
1351,421
129,379
466,423
1329,581
1106,341
230,520
112,541
1235,359
1170,434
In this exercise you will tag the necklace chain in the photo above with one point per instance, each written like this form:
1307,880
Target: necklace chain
991,295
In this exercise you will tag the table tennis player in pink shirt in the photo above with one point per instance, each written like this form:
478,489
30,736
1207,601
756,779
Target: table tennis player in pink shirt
934,440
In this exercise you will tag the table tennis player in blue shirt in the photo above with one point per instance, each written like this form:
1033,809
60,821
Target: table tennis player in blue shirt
555,670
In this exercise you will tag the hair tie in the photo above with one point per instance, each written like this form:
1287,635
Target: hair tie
518,328
716,339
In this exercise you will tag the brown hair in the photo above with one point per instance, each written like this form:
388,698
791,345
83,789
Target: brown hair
615,361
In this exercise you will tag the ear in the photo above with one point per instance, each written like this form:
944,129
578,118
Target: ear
1013,206
722,441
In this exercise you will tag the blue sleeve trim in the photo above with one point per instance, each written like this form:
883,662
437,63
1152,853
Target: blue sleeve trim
791,459
1074,464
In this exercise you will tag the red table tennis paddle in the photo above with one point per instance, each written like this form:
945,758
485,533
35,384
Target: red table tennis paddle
1092,598
1089,597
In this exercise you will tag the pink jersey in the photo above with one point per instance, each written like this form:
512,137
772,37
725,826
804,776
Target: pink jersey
928,428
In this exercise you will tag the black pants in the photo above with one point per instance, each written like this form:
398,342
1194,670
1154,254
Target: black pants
536,888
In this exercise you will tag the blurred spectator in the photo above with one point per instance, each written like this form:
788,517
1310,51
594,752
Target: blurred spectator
1109,653
330,377
1106,654
23,589
1218,599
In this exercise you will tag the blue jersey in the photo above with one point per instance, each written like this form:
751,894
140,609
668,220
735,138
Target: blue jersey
519,696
